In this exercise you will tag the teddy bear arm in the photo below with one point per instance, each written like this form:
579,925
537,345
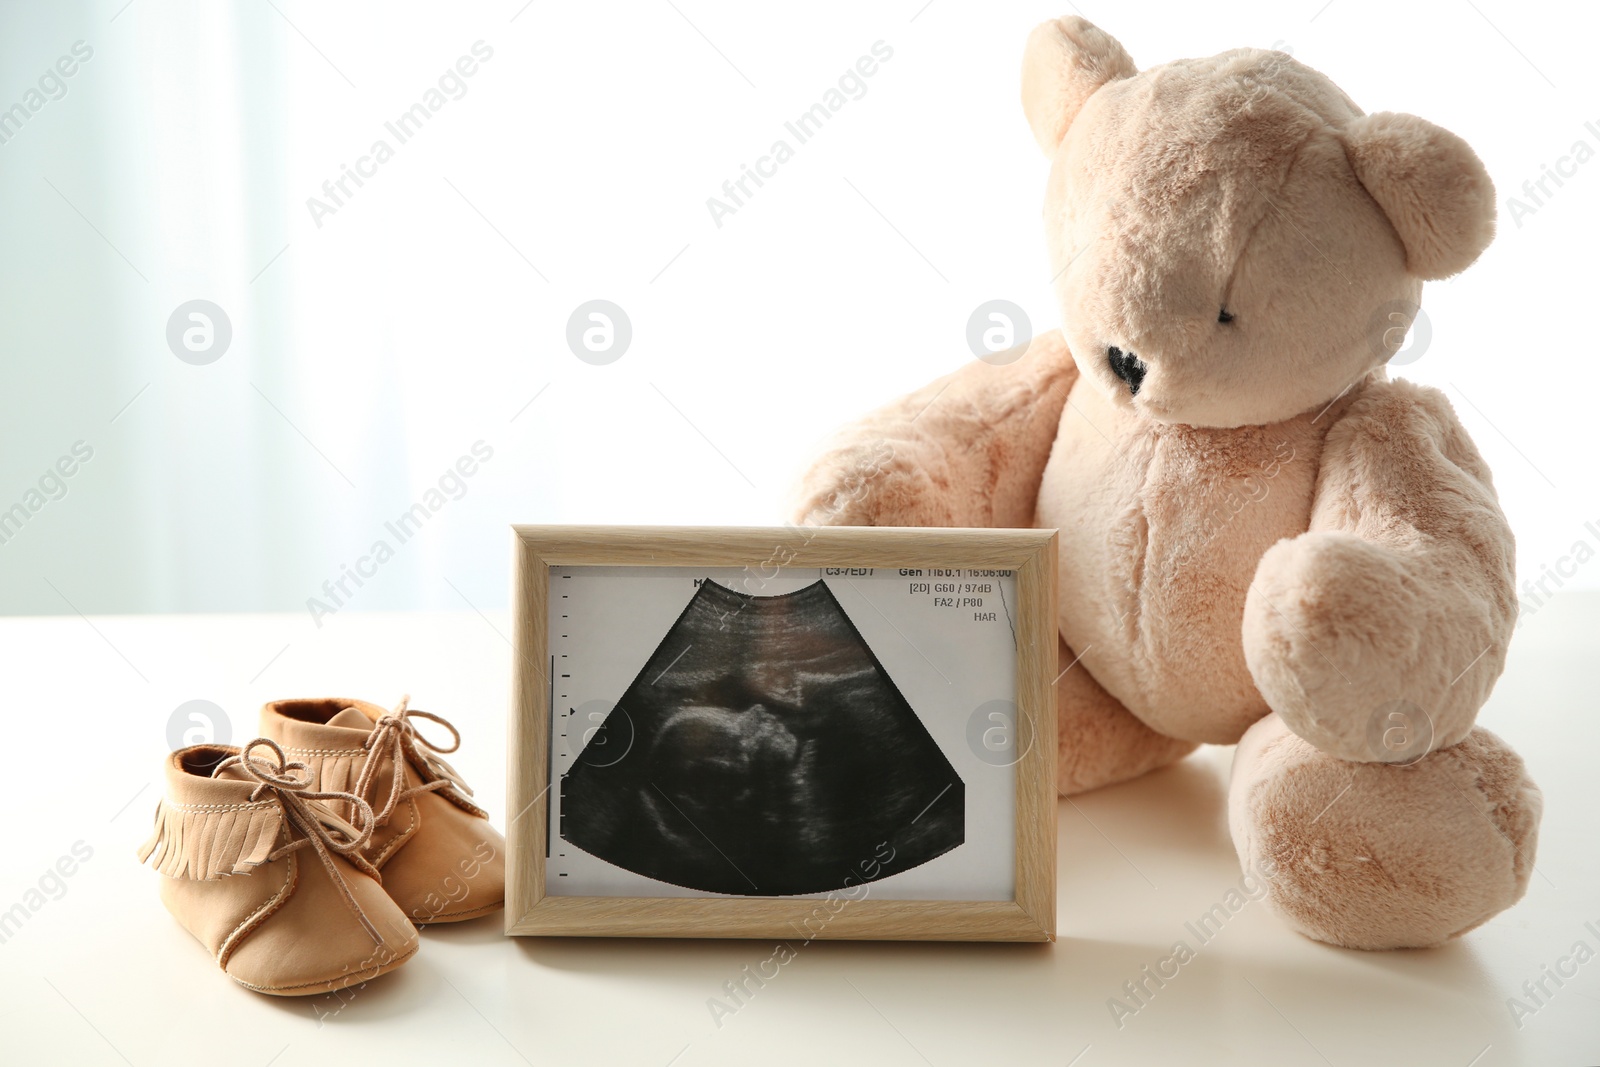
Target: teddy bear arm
1379,633
969,449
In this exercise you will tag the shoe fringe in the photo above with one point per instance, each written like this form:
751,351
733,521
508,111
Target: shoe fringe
207,842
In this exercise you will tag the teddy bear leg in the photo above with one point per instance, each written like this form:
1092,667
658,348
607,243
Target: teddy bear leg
1383,855
1099,742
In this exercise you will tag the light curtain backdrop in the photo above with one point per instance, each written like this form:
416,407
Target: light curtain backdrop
377,340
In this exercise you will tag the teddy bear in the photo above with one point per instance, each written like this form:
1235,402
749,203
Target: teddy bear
1264,539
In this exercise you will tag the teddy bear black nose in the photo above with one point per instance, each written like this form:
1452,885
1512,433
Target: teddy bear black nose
1127,366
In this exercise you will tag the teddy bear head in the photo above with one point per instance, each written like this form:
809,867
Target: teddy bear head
1233,241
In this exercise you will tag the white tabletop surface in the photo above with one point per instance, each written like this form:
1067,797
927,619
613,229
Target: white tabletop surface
100,974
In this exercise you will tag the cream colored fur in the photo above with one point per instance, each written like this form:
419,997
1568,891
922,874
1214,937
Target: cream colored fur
1268,534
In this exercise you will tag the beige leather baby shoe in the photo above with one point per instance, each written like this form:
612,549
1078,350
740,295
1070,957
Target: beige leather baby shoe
268,877
441,860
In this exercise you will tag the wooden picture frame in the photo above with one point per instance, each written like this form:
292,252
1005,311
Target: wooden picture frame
1030,556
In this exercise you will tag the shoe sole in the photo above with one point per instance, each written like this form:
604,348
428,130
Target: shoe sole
344,981
462,916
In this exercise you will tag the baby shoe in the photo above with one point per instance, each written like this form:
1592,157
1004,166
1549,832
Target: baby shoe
268,878
441,860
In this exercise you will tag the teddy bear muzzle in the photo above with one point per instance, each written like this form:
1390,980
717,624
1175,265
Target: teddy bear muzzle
1127,367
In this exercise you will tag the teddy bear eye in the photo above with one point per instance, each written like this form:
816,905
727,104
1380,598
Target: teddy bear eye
1224,315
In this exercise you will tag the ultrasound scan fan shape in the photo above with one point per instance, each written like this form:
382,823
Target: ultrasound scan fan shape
772,755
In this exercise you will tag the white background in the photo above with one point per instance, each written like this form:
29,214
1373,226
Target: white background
368,354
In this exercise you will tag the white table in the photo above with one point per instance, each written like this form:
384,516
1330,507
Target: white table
102,975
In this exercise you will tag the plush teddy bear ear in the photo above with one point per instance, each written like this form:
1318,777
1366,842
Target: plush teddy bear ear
1430,183
1066,60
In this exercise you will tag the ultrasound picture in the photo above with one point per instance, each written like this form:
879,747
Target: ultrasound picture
763,751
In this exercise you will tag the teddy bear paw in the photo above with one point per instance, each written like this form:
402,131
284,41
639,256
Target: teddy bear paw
1339,633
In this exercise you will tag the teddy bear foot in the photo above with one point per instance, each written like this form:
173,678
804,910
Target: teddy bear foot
1100,742
1382,855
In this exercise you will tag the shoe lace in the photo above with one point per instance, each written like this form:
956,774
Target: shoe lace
396,741
324,832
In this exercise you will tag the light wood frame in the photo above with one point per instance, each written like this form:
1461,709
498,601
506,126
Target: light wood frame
1030,554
